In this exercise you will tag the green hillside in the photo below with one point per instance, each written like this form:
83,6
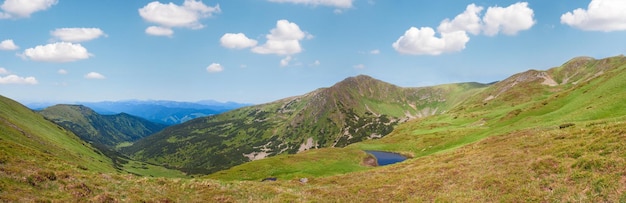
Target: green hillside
34,151
356,109
538,136
553,135
107,133
596,95
107,130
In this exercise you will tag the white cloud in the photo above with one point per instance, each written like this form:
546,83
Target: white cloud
14,79
375,51
282,40
215,68
171,15
57,52
316,63
509,20
468,21
62,71
237,41
331,3
8,45
159,31
285,62
94,75
359,66
77,34
601,15
423,41
24,8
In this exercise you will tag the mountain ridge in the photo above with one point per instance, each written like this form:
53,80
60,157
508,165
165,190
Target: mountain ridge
355,109
160,111
108,130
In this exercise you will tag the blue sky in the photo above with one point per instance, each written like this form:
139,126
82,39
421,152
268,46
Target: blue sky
259,51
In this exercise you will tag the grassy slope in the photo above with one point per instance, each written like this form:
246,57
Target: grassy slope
40,160
564,143
32,148
500,151
581,163
335,161
350,111
107,130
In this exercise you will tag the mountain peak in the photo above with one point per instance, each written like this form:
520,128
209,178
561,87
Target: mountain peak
74,107
358,78
364,86
360,81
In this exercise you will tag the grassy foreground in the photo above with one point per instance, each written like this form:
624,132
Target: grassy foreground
585,162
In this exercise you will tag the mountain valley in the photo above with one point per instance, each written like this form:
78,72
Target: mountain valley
553,135
353,110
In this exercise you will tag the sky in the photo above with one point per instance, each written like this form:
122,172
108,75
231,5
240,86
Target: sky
257,51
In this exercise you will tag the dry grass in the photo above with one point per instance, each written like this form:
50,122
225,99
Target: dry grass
586,163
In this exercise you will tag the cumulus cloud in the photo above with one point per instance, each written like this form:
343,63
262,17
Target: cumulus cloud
77,34
8,45
159,31
468,21
509,20
214,68
331,3
237,41
422,41
62,71
171,15
94,75
453,33
285,61
57,52
14,79
283,40
601,15
375,51
24,8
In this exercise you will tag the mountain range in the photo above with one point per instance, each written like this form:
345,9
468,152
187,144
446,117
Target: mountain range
552,135
108,130
160,111
355,109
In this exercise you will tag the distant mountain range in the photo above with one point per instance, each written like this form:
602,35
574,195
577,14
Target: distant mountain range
160,111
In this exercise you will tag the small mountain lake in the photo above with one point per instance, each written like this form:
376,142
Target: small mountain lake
386,158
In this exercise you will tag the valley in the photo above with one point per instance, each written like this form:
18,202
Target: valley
553,135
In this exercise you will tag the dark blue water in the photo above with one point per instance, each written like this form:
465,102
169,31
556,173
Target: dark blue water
386,158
